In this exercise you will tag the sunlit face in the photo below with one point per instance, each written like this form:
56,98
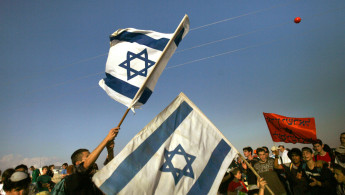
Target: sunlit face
281,149
307,155
262,156
84,156
339,176
44,171
238,175
246,153
318,147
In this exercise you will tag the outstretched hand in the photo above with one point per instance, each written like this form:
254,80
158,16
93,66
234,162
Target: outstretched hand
112,134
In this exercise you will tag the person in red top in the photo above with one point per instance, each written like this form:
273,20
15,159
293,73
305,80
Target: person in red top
321,153
237,184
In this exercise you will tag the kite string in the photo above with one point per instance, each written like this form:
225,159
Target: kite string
247,14
179,51
104,54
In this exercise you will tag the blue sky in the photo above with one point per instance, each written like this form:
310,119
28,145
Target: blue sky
53,54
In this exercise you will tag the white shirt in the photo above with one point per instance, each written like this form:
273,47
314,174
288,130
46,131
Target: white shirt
284,157
2,192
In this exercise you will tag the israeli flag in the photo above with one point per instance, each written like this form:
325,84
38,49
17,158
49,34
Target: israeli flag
179,152
136,60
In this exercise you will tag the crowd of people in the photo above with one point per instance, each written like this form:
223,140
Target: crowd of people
310,170
76,178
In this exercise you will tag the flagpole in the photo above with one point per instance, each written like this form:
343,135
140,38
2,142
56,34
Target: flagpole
123,117
178,29
256,174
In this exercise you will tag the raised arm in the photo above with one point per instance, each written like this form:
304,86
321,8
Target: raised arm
97,151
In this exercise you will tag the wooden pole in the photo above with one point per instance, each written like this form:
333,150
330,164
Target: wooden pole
256,174
123,118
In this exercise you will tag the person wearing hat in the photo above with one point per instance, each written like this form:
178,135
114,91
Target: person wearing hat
16,182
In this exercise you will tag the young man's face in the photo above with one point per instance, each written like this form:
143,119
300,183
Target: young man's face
318,147
339,176
262,156
85,155
238,175
296,159
307,156
281,149
246,153
44,171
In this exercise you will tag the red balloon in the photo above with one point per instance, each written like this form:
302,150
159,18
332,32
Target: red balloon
297,20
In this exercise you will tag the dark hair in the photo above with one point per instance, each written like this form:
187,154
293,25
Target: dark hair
260,150
294,151
249,149
65,164
45,167
266,151
76,156
235,170
307,149
318,141
18,185
342,133
281,146
22,166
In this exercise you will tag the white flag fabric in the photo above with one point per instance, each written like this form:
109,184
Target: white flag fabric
179,152
135,61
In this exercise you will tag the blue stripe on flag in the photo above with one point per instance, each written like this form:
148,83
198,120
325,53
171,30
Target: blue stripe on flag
178,38
142,39
125,88
207,177
135,161
145,96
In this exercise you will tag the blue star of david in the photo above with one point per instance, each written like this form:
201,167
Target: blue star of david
178,173
131,73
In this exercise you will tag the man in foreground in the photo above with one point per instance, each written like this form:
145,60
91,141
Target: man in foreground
320,180
265,168
80,182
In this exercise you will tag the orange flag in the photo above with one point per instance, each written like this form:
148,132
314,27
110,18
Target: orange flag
291,130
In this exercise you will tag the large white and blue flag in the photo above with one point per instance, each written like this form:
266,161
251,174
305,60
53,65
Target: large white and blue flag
179,152
135,61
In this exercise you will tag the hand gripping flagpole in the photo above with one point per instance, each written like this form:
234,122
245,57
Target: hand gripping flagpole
135,99
256,174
